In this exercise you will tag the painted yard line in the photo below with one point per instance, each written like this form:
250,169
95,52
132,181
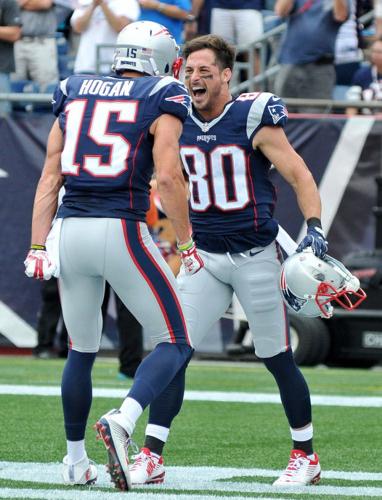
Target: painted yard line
102,495
48,473
183,479
217,396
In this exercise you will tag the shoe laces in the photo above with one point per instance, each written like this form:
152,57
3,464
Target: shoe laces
140,458
294,465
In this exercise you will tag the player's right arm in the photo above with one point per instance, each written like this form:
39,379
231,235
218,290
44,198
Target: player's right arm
168,171
51,180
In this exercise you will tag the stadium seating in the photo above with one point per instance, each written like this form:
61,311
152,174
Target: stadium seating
24,87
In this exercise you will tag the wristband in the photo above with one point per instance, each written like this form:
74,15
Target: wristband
38,247
186,246
190,18
161,6
314,221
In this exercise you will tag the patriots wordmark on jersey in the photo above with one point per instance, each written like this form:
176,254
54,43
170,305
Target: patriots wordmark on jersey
231,196
107,157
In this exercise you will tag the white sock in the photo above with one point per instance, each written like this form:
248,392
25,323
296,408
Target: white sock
157,431
130,410
302,434
76,451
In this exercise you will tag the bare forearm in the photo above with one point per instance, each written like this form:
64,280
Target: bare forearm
81,23
36,4
10,33
116,22
197,7
283,7
168,10
174,200
308,197
340,10
45,207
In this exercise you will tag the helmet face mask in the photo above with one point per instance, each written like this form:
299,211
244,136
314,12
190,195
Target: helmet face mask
309,285
146,47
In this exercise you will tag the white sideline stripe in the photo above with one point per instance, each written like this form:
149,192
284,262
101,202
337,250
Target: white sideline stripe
15,328
183,479
341,167
216,396
102,495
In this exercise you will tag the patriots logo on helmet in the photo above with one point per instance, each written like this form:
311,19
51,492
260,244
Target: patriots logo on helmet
296,303
183,99
277,112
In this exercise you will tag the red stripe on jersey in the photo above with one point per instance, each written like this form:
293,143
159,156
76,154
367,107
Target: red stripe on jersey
133,169
252,188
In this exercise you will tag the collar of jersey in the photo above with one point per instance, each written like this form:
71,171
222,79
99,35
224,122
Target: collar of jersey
205,125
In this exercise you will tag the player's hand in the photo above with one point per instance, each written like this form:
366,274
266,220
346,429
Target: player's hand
315,239
191,260
38,265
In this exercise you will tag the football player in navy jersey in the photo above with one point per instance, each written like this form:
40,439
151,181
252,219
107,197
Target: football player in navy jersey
109,134
227,148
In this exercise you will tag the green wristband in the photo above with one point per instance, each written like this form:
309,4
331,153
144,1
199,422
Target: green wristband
38,247
186,246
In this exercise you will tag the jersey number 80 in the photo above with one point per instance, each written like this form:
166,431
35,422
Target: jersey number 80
210,183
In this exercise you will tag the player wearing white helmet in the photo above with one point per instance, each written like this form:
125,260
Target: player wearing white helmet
110,134
227,147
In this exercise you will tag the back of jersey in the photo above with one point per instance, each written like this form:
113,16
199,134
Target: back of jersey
107,157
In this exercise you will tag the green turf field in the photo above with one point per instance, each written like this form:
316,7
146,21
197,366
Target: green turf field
247,444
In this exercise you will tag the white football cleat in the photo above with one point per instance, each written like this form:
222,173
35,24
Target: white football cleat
82,472
147,468
300,471
116,440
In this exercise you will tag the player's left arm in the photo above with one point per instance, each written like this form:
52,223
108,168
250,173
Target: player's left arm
51,180
274,144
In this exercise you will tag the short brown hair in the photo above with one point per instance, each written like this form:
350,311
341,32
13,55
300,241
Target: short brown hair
224,52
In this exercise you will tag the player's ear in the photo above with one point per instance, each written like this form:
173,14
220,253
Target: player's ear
227,75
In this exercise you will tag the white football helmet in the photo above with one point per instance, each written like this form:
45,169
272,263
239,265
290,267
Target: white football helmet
147,47
309,285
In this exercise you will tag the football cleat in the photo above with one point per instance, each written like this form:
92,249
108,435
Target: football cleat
116,441
82,472
300,470
147,468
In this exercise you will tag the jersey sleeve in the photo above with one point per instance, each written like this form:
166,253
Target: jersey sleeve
169,96
59,97
267,110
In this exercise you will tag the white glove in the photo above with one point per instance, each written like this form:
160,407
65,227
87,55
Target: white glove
38,265
191,260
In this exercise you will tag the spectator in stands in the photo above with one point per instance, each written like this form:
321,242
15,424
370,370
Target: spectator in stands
378,17
171,13
307,50
36,51
201,9
10,31
348,52
239,23
367,81
98,22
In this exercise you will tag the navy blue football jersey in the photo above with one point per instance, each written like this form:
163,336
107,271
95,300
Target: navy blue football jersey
107,157
231,196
